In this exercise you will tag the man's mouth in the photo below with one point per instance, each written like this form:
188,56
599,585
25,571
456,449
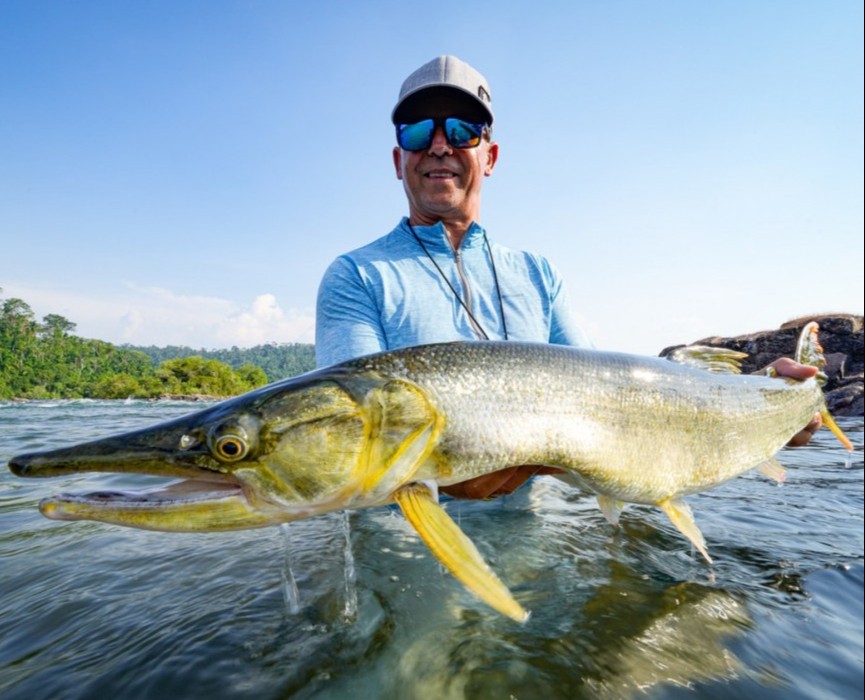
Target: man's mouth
440,174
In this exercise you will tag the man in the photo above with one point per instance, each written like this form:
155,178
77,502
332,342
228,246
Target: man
436,277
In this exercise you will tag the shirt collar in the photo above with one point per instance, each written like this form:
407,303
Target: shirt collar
435,237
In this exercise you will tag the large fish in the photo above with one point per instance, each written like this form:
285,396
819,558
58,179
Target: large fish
395,425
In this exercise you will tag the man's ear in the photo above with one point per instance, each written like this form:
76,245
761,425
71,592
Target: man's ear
397,162
492,157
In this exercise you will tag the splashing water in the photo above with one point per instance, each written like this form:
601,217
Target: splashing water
289,584
350,609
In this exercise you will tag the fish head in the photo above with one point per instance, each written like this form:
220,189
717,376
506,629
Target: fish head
312,444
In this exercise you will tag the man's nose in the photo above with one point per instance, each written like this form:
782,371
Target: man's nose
439,145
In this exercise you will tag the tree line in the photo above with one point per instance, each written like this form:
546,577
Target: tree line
44,360
278,360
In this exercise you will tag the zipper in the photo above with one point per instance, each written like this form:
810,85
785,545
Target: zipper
473,323
458,259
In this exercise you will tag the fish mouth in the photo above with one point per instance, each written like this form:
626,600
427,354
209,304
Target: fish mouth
174,494
186,505
201,499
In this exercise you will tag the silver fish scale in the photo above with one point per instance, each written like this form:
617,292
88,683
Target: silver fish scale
637,428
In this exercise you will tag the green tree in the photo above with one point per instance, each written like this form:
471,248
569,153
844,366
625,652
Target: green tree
251,376
119,386
18,344
56,326
48,361
195,375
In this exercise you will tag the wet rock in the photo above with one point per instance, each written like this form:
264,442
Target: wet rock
842,340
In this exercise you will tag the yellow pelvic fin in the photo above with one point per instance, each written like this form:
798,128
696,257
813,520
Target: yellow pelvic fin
773,470
610,507
455,550
719,360
680,514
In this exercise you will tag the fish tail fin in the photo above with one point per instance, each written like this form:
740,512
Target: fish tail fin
810,352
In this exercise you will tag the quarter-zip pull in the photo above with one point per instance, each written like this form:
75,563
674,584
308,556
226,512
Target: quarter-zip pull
476,327
467,290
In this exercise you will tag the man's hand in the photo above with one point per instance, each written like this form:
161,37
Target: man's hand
496,484
785,367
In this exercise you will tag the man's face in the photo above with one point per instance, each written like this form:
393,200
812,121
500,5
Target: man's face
443,183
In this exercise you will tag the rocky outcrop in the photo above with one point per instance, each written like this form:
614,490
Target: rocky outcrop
842,341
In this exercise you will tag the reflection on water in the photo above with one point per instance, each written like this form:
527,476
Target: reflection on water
90,610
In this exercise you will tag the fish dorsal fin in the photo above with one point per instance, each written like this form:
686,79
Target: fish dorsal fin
455,550
773,470
720,360
680,515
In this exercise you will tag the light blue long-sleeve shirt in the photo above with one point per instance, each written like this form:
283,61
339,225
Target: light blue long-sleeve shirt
388,295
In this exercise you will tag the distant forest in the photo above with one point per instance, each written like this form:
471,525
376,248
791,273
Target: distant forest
46,360
278,360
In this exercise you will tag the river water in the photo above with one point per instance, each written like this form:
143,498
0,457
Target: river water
355,606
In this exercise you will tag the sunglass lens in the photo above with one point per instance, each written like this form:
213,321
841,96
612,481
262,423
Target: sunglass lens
417,136
462,134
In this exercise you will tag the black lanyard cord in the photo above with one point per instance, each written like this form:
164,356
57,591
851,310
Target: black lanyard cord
498,288
456,294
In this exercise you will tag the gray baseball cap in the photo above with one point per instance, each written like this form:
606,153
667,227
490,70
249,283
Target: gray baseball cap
445,78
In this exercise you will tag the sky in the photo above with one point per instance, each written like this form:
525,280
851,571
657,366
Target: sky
183,172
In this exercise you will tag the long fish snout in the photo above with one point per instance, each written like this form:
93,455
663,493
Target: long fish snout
115,454
25,465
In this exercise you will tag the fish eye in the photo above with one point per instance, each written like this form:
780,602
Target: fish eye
233,439
231,447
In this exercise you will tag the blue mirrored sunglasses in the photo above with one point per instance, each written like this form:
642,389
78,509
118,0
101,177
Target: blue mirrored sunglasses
458,132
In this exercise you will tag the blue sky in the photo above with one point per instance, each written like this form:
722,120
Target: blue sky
183,172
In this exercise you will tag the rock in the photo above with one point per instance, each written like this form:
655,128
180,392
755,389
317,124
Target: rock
847,400
189,397
842,340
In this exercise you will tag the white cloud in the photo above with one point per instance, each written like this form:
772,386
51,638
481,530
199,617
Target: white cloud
265,321
157,316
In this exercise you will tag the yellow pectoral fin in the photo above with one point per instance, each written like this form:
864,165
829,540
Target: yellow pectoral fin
456,551
403,428
680,515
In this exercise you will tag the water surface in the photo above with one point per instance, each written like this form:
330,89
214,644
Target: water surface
93,611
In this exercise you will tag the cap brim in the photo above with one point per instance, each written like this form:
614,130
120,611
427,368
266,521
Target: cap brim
440,100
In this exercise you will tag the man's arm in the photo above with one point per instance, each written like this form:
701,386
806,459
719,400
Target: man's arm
564,329
347,323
